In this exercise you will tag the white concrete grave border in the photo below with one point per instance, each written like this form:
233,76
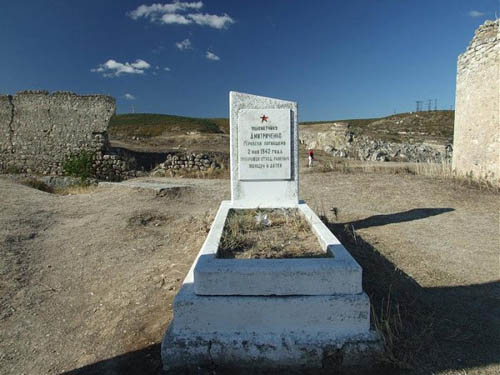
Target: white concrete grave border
339,274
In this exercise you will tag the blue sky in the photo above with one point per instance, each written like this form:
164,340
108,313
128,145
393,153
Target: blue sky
337,59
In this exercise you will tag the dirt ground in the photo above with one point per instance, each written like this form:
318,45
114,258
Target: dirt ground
87,281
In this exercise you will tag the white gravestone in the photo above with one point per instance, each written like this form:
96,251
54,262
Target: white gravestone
264,151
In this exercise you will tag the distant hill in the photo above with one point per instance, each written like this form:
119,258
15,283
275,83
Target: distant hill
432,125
419,126
153,125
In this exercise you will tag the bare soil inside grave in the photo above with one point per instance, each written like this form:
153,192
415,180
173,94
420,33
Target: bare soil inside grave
268,234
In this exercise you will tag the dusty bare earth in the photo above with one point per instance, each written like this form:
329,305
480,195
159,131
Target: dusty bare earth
87,281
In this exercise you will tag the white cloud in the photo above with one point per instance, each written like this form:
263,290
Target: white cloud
167,69
155,10
212,56
175,18
112,68
140,64
171,14
129,96
185,44
212,20
476,13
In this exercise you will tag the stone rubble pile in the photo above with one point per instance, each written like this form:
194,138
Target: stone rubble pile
111,168
340,142
188,162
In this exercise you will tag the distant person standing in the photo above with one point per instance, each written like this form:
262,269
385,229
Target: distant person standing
310,153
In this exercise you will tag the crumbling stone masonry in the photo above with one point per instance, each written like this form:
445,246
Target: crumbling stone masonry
477,106
39,130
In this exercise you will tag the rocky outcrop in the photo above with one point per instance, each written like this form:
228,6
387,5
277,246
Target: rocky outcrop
340,141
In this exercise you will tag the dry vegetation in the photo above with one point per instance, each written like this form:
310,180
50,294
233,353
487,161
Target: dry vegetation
402,127
210,173
327,163
146,125
83,188
268,234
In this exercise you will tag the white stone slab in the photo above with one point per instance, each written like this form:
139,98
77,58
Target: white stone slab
250,190
339,315
264,144
340,274
269,332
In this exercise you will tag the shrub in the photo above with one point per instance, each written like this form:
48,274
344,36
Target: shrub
78,165
12,169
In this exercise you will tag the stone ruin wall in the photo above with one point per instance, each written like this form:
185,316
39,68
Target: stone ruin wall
477,106
38,131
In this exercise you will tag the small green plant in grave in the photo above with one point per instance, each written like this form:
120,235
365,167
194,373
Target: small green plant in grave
78,165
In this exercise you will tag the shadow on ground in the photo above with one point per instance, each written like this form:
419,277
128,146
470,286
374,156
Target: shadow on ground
143,361
400,217
425,330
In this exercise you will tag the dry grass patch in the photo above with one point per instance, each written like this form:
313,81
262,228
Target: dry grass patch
211,173
268,234
434,170
35,183
76,189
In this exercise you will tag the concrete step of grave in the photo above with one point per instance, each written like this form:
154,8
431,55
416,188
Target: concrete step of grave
294,332
256,353
337,315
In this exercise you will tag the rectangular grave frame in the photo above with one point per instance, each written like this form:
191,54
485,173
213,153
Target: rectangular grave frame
339,274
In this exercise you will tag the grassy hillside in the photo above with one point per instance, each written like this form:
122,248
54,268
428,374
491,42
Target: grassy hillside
433,125
437,125
153,125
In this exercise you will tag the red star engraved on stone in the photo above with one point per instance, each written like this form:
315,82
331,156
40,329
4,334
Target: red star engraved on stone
264,118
